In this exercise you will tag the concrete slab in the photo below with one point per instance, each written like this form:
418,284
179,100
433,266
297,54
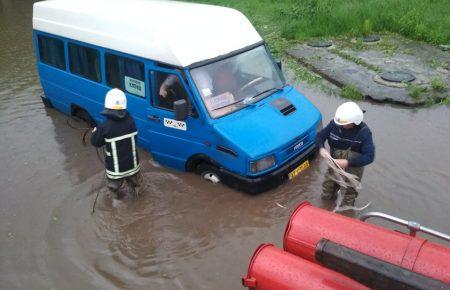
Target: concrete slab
345,65
341,72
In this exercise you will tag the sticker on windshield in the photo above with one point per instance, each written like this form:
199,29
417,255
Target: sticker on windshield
135,86
220,101
206,92
171,123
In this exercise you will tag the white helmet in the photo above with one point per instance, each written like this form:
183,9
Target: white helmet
348,113
116,100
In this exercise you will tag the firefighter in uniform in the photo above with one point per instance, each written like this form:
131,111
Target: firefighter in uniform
118,136
351,144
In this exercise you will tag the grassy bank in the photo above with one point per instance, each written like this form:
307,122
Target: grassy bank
425,20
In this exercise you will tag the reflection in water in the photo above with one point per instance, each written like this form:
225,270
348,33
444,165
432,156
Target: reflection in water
181,233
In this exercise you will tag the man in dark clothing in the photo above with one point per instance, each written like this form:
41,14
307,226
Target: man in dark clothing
351,146
118,136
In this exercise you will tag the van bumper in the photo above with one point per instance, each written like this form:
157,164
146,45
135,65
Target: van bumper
254,185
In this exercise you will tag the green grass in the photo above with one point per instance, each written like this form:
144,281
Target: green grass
351,92
445,101
416,91
358,61
425,20
439,85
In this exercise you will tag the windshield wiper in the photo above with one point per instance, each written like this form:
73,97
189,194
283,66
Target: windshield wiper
227,105
249,101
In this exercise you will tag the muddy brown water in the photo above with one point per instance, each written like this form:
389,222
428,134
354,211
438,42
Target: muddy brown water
181,233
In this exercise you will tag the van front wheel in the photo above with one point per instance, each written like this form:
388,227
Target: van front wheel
209,173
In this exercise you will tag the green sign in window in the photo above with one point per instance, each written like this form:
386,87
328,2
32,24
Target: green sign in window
135,86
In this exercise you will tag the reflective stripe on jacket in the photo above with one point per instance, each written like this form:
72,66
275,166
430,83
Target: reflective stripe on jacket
118,136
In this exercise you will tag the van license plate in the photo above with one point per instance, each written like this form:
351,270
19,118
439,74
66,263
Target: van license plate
299,169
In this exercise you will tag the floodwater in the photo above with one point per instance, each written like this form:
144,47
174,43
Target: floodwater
181,233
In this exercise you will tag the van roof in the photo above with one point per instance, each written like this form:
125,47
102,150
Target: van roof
171,32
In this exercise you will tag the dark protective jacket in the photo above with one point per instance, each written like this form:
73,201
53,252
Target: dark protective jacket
118,135
358,139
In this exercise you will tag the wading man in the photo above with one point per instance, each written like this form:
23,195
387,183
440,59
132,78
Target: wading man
351,146
118,134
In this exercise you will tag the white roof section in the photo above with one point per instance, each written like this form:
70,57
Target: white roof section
176,33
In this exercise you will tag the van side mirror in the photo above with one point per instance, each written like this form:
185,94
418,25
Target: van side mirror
278,62
180,109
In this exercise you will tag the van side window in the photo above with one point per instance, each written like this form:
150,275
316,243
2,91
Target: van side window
125,74
168,90
51,51
85,61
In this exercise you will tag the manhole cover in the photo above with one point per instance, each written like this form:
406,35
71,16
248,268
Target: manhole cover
371,38
397,76
320,43
445,47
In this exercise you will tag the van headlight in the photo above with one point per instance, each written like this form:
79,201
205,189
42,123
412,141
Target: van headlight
262,164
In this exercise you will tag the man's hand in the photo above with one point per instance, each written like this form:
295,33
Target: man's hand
163,91
93,130
343,163
324,152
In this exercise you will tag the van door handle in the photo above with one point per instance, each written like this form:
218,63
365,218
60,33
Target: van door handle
154,118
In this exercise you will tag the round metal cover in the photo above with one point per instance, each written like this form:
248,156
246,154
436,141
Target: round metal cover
371,38
445,47
320,43
397,76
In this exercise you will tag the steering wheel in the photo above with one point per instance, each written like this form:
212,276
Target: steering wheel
250,83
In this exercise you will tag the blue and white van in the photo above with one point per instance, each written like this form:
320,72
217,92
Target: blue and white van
206,95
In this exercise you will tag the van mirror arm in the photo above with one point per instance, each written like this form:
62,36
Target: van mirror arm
193,112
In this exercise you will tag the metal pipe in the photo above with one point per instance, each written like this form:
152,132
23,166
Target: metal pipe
413,227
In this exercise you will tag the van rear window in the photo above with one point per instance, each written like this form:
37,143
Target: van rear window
85,61
126,74
51,51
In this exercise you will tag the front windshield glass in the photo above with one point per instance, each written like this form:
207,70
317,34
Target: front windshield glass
233,83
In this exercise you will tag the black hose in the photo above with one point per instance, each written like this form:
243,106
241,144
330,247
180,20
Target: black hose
98,193
86,131
75,127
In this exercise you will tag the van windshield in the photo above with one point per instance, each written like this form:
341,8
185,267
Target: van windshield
233,83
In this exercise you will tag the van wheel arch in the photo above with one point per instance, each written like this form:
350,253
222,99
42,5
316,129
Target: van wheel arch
195,160
81,113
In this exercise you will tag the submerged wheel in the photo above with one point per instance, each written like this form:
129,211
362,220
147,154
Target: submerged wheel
83,115
209,173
